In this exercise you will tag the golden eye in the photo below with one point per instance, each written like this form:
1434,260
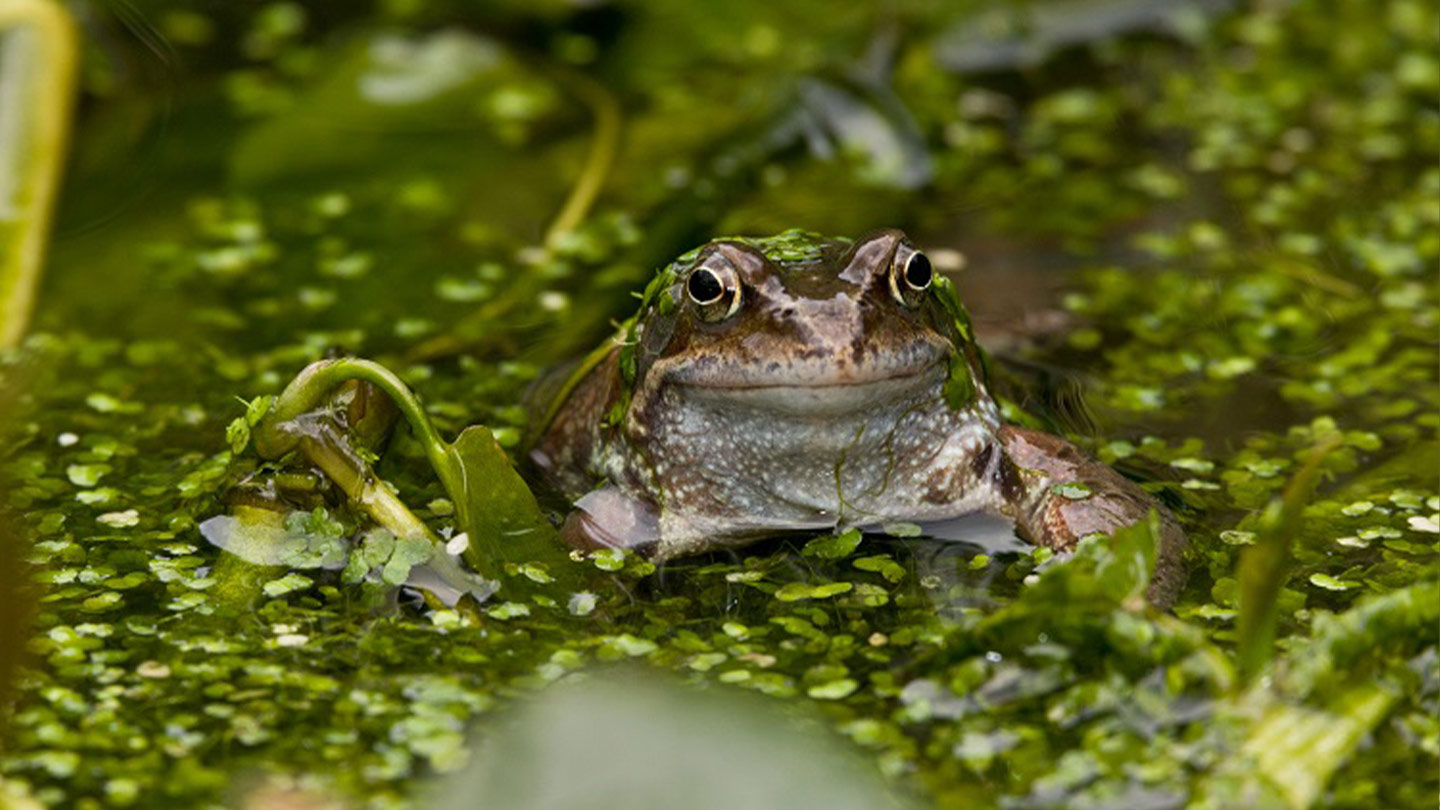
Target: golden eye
910,276
714,289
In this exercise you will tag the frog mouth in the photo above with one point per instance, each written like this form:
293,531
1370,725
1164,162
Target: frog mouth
820,397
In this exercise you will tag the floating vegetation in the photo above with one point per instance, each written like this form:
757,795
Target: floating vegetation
1243,204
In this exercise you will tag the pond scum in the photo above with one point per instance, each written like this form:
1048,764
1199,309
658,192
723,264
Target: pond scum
1255,327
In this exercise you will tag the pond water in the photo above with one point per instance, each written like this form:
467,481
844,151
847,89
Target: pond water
1202,244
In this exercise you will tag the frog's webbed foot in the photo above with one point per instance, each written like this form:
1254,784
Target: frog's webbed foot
610,517
1052,515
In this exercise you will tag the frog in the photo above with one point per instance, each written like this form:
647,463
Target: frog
803,383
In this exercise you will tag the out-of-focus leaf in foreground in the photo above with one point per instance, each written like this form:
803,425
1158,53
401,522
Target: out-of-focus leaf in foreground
633,740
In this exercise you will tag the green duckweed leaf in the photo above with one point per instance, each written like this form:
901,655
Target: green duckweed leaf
287,584
833,547
796,591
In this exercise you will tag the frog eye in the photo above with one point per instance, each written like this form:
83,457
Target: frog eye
910,276
714,289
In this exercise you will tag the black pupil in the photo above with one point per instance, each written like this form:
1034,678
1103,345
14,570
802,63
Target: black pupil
705,286
917,271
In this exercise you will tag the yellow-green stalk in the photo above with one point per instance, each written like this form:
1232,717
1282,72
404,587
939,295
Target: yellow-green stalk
37,84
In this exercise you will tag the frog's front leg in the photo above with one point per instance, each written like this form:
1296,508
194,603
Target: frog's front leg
1047,515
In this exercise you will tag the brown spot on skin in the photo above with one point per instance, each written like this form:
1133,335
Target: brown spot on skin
1000,471
940,486
1009,480
980,464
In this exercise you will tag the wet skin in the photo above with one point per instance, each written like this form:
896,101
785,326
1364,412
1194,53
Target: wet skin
802,383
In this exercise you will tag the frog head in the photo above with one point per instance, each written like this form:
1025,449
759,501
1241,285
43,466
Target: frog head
800,325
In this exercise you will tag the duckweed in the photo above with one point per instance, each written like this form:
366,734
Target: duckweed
1250,211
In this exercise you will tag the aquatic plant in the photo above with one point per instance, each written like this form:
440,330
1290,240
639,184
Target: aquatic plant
1245,206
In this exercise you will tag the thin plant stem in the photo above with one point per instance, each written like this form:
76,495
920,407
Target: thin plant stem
603,147
1264,566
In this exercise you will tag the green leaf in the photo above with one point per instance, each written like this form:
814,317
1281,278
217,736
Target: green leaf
1330,583
86,475
833,547
902,529
408,553
960,384
1106,575
237,434
374,550
1294,750
256,409
286,584
1073,490
1264,567
608,559
495,507
834,690
796,591
508,610
883,565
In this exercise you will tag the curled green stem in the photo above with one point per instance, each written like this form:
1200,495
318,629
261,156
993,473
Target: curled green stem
279,433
